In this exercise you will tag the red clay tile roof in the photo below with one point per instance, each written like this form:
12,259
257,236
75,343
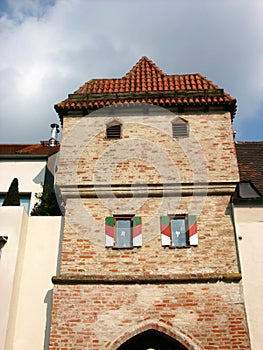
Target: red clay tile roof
147,83
27,149
250,163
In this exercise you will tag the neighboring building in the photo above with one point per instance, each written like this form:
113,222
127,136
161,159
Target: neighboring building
28,260
32,164
148,255
29,248
248,216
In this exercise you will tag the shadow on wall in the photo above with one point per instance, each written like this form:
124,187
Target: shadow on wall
49,296
49,301
39,178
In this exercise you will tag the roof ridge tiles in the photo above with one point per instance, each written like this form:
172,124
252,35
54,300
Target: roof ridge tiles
203,77
151,67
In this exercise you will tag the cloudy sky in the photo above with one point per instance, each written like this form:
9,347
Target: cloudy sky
51,47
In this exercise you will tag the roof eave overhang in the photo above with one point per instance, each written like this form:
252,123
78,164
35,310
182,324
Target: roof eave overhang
169,99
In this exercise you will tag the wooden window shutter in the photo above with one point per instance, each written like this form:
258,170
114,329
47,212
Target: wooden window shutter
137,231
193,235
165,230
109,228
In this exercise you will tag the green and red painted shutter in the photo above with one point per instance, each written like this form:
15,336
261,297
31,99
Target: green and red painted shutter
137,231
193,235
109,228
165,230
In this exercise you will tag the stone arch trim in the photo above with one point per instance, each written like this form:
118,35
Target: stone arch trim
161,326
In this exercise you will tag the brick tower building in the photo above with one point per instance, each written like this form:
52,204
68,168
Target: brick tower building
148,260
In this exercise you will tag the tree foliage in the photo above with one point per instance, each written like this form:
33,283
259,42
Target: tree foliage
47,203
12,197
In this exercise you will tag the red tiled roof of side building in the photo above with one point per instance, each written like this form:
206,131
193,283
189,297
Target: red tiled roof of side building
146,82
250,163
28,149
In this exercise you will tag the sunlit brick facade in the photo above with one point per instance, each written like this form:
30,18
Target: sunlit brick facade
148,258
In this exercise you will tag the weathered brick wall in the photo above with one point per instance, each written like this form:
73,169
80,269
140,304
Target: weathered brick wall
104,315
216,252
210,141
146,148
201,316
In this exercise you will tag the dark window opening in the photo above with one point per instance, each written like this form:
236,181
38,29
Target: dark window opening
113,130
180,127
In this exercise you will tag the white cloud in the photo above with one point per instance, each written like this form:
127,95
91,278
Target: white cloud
48,49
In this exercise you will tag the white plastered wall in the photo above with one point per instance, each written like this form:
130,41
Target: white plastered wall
13,225
28,261
249,230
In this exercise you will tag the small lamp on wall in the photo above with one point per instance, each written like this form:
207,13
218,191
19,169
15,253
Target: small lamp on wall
3,241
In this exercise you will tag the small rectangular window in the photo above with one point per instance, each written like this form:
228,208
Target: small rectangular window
113,130
25,199
123,231
180,128
179,230
123,235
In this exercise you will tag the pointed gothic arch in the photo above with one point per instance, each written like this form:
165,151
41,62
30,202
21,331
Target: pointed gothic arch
146,334
152,339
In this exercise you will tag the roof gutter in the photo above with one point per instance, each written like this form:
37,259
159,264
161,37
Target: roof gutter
25,156
247,200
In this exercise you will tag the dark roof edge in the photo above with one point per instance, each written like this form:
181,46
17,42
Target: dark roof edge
239,200
26,156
